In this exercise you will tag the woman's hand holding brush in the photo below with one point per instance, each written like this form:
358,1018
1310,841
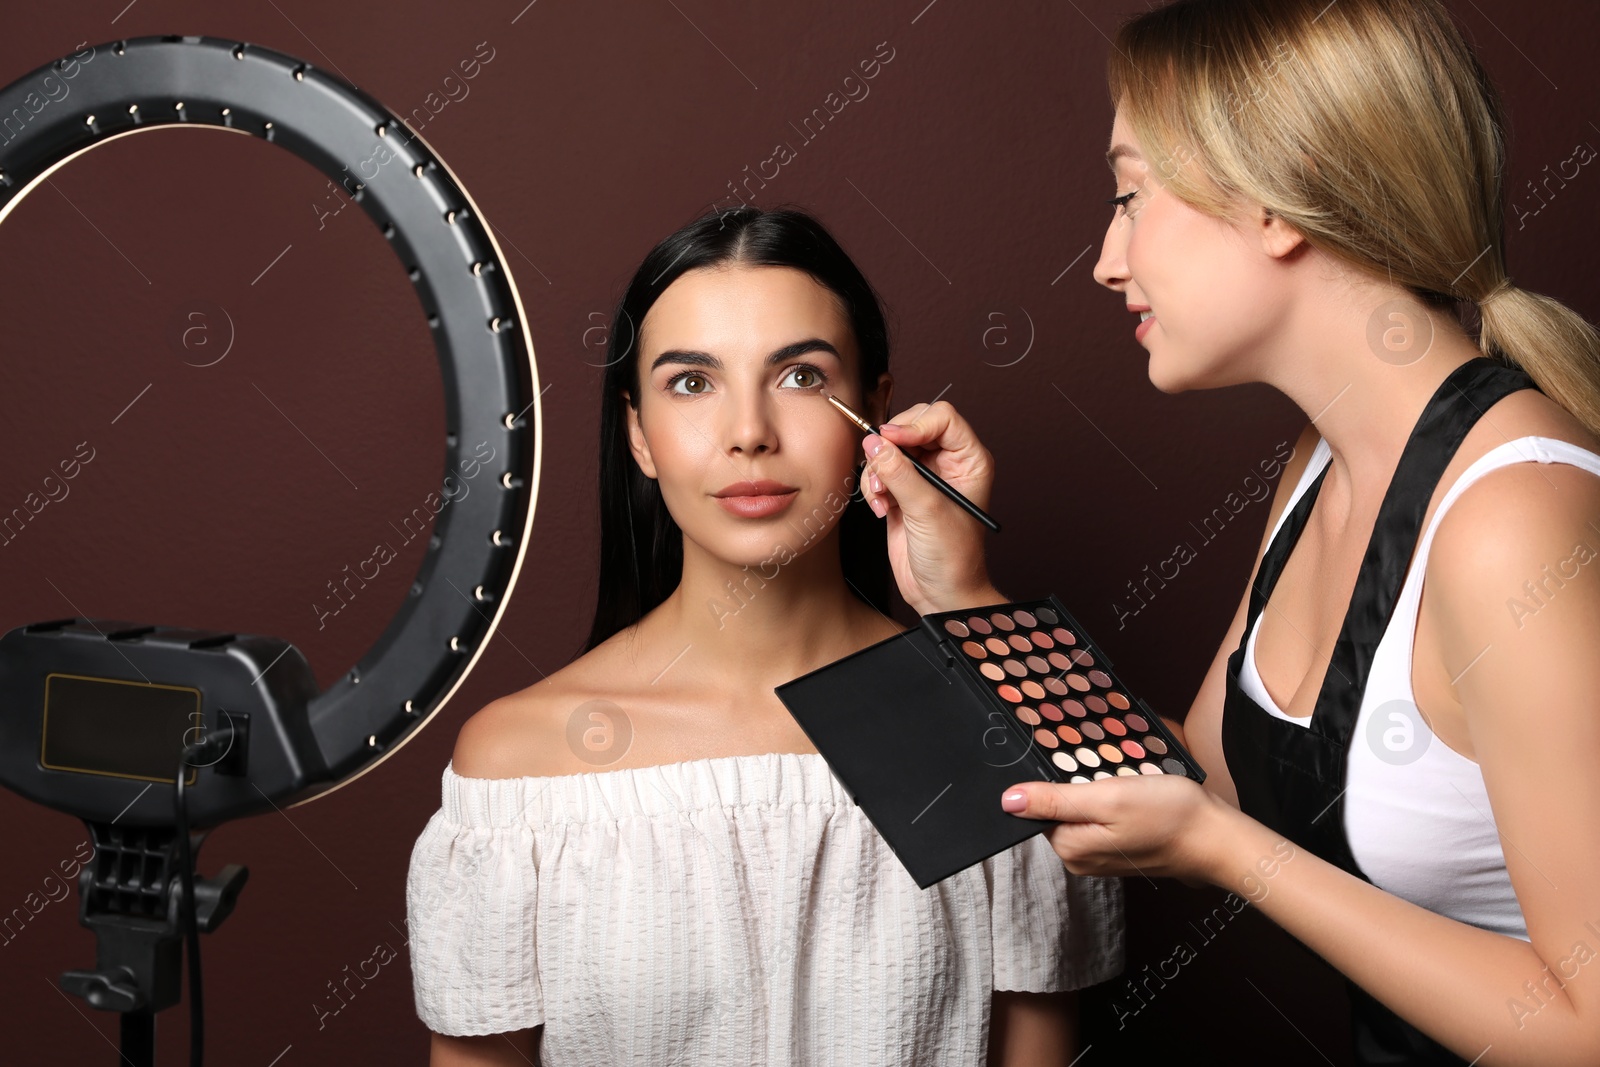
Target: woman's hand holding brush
935,546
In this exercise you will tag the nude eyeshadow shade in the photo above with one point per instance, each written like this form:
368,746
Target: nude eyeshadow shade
926,729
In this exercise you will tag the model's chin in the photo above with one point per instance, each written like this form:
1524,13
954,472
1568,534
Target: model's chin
763,541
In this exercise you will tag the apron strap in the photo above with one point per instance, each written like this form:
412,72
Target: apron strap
1454,409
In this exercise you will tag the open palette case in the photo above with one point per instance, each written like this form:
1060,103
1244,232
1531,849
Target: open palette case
925,730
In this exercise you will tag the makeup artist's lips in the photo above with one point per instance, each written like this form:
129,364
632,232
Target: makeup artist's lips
756,500
1144,326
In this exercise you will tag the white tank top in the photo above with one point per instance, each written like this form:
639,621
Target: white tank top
1416,813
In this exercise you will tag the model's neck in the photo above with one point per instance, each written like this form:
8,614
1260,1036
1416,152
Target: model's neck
763,624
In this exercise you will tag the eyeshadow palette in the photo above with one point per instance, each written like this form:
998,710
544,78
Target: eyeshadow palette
926,729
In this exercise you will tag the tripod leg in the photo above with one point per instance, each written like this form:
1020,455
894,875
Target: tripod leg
139,1038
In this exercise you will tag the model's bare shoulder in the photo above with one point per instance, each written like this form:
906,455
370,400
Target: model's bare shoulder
505,738
524,734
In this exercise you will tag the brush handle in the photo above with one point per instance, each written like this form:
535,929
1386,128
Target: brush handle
950,491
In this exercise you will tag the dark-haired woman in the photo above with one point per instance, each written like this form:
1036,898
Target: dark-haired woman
1402,723
642,859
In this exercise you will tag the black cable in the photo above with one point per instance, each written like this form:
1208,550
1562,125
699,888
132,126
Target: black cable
186,909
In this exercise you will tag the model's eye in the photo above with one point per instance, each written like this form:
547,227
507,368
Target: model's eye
805,376
688,383
1122,201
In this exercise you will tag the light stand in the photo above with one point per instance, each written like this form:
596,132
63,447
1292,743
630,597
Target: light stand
92,712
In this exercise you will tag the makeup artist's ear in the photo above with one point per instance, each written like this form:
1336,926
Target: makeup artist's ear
1278,238
636,442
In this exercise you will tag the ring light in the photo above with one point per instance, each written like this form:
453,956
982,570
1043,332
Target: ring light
71,106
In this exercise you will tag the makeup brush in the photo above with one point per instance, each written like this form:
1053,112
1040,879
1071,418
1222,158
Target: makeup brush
938,483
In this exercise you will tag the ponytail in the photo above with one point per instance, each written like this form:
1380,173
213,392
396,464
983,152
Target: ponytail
1558,348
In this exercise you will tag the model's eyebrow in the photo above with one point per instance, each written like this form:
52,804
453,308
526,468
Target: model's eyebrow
1117,152
705,359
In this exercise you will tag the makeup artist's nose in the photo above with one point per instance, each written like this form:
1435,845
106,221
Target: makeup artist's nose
1111,270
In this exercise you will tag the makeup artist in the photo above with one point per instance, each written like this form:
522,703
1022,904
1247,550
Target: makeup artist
1309,194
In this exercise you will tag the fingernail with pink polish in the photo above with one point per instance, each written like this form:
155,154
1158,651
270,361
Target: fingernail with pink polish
1014,800
872,444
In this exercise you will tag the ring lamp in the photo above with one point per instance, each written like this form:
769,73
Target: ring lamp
94,712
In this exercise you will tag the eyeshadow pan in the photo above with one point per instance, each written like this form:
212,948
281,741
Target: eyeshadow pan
1050,677
1079,778
1126,771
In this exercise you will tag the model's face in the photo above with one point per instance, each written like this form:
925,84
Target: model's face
735,367
1211,287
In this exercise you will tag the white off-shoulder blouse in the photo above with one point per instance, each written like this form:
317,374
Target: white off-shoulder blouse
738,910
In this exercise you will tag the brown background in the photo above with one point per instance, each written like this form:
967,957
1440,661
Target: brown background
968,185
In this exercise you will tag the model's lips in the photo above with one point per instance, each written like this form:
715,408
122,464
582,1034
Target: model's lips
756,500
764,487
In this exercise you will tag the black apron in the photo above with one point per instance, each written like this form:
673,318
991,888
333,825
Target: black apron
1291,777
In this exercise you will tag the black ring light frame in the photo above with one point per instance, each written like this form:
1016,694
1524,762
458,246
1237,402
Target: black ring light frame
474,313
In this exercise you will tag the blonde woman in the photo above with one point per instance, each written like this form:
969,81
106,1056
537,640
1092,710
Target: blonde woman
1402,723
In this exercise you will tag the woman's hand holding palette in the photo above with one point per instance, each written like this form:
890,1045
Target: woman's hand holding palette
927,728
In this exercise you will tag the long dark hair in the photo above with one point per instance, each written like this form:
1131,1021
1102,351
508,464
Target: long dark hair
641,547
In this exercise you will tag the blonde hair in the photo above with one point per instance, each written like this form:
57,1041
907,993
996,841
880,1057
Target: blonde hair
1369,126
